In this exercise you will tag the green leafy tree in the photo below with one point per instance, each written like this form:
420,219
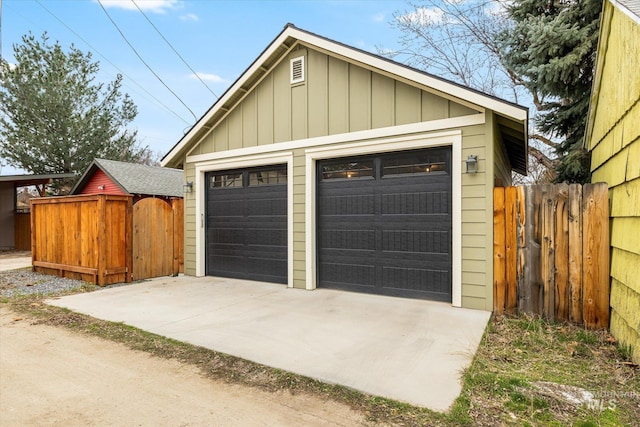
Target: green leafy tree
55,117
551,46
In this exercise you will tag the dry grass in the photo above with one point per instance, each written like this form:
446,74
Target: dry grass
508,382
499,387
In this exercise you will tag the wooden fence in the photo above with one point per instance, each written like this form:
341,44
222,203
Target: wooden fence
551,252
90,237
83,237
22,231
158,238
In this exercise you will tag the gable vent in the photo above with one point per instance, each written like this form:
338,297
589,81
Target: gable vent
297,70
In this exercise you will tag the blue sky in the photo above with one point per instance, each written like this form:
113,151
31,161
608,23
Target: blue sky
218,39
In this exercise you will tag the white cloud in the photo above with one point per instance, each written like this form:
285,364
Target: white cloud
423,16
156,6
189,17
384,51
214,78
378,17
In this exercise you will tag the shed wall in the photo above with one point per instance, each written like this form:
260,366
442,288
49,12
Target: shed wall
7,215
615,147
100,183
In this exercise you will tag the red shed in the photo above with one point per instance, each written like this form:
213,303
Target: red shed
140,181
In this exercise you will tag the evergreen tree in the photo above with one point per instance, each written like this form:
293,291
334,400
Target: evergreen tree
551,45
55,118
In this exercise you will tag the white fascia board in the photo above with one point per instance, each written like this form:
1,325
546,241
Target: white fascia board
386,132
509,110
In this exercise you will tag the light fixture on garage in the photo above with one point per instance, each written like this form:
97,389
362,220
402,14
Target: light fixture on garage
472,163
188,187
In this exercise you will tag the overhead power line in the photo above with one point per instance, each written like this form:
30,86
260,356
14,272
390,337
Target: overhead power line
172,48
113,65
143,61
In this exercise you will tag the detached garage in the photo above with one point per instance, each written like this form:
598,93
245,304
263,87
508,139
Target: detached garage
327,166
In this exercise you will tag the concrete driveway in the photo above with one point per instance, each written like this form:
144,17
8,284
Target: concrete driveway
409,350
14,259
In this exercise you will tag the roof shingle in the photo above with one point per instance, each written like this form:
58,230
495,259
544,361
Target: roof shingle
138,179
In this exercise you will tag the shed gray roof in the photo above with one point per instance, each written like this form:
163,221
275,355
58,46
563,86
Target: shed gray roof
137,179
34,179
632,6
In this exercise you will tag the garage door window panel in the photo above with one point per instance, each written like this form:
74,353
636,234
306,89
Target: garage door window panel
415,164
221,181
268,177
348,169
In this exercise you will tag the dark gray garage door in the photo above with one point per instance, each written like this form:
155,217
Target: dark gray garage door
246,224
384,224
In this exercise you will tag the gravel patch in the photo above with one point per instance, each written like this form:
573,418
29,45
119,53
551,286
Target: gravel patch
25,282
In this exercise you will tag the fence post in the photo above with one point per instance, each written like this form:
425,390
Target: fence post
596,282
575,253
533,289
177,206
548,250
499,270
128,239
511,247
524,298
102,239
561,261
32,219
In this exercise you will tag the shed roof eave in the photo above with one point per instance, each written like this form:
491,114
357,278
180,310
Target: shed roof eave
21,178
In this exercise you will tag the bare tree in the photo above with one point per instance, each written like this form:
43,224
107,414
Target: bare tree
458,40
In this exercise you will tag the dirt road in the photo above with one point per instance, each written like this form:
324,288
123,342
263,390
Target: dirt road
51,376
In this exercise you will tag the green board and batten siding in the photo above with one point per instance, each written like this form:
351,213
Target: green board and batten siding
338,97
613,138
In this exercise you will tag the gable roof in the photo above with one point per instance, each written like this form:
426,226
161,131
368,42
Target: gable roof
134,178
515,142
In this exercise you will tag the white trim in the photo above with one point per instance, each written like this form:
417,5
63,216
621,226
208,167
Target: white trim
237,163
362,147
386,132
626,10
499,106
